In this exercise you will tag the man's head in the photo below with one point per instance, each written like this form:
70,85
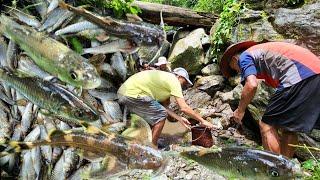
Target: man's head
183,76
229,61
162,63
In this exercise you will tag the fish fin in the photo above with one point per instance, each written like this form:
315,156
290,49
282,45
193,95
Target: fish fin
93,157
110,167
55,133
22,102
97,59
63,5
139,130
92,129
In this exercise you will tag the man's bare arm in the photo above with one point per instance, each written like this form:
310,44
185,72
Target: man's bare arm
248,92
190,112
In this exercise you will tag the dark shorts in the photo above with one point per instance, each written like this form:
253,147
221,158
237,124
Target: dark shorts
147,108
296,108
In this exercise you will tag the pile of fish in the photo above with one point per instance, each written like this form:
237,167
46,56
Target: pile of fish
60,118
59,114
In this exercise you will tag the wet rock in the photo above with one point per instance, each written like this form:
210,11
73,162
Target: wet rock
210,84
211,69
188,52
302,24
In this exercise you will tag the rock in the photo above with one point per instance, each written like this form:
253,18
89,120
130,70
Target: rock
257,30
180,34
272,4
302,24
211,69
188,52
210,84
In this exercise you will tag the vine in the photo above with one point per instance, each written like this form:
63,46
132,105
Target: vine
228,19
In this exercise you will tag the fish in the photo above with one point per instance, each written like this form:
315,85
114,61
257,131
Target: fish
244,163
53,4
51,97
12,55
27,118
27,66
121,45
3,52
51,55
66,16
25,18
118,64
121,151
65,165
139,33
77,27
52,18
41,7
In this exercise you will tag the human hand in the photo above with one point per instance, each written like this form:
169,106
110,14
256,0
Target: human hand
184,122
238,116
208,125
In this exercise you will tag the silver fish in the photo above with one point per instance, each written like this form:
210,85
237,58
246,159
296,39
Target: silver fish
25,18
52,18
5,128
41,7
112,108
103,96
65,165
53,4
77,27
27,171
36,160
121,45
3,52
27,66
46,151
12,55
65,16
26,118
119,65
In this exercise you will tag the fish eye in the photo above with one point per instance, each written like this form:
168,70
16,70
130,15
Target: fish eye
274,173
79,114
73,75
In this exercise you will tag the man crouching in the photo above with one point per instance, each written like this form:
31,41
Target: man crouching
144,92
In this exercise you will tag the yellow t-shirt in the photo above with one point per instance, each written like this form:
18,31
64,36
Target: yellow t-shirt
159,85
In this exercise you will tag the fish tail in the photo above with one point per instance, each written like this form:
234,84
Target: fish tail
63,5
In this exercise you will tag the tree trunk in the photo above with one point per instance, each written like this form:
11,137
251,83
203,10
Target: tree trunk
174,16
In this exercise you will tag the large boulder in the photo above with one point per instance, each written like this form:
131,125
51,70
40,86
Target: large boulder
188,52
302,24
210,84
255,26
211,69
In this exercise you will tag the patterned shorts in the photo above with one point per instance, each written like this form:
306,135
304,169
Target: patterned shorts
145,107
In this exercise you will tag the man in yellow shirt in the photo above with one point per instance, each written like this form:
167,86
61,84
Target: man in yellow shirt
143,92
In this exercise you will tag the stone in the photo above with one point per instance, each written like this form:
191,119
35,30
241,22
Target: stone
188,52
302,24
257,30
211,69
210,84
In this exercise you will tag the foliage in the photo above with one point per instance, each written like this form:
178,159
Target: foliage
313,166
179,3
215,6
119,7
228,18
